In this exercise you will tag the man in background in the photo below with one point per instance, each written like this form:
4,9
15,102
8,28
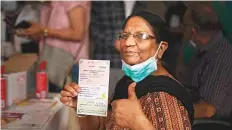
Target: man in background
210,69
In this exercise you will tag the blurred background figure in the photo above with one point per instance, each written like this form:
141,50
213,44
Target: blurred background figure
63,35
30,12
9,13
107,19
209,67
174,20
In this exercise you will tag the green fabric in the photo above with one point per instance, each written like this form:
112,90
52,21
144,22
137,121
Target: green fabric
189,52
225,14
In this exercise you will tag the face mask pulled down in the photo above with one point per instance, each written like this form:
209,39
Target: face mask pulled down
140,71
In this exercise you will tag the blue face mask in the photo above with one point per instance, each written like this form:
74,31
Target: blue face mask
140,71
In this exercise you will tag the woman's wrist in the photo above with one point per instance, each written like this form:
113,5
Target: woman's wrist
44,31
142,123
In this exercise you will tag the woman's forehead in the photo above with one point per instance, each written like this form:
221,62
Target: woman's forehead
137,23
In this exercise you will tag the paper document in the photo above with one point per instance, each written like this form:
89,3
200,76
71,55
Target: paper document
94,84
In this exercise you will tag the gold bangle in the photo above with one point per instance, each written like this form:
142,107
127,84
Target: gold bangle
45,32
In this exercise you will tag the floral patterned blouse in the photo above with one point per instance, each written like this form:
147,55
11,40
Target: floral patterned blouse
164,111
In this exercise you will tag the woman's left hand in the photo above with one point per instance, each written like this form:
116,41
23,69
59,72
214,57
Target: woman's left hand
35,30
127,112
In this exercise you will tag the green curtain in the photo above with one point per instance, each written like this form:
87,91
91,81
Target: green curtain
189,52
225,15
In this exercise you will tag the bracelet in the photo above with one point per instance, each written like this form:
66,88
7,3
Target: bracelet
45,32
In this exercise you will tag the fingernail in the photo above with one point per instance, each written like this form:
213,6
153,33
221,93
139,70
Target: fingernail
78,90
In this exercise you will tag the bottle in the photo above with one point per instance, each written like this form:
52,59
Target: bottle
42,82
3,89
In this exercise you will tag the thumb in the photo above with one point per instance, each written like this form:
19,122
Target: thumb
131,91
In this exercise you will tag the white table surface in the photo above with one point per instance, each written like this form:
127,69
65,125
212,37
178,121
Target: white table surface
58,117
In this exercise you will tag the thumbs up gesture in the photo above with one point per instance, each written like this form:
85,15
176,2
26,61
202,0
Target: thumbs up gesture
126,112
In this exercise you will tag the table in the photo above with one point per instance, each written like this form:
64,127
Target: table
51,118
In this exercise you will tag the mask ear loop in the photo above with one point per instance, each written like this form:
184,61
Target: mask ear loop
158,49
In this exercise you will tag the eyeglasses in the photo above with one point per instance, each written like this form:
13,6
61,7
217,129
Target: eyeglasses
138,36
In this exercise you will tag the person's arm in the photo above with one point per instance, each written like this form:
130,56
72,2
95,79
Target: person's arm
217,82
157,110
76,32
204,109
143,123
85,124
162,110
128,113
78,26
165,111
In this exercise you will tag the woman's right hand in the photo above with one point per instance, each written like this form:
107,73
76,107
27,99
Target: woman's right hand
69,94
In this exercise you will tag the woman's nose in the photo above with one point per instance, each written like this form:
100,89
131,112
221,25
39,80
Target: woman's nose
130,41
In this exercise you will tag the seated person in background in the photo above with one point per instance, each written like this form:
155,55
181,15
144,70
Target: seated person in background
210,70
156,101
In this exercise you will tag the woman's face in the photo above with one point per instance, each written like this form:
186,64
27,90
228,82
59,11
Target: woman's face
135,50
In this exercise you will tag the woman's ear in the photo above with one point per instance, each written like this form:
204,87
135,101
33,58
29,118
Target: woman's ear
163,48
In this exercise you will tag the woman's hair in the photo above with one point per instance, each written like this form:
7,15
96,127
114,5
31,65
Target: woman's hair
157,24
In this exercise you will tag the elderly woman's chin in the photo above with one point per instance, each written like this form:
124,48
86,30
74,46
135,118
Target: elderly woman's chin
131,59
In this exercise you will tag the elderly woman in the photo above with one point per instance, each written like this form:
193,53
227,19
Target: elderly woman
148,97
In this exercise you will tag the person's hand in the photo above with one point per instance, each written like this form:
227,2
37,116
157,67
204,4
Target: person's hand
127,112
36,29
20,32
69,94
36,37
204,109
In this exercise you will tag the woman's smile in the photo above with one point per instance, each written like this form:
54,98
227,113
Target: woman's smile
131,53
